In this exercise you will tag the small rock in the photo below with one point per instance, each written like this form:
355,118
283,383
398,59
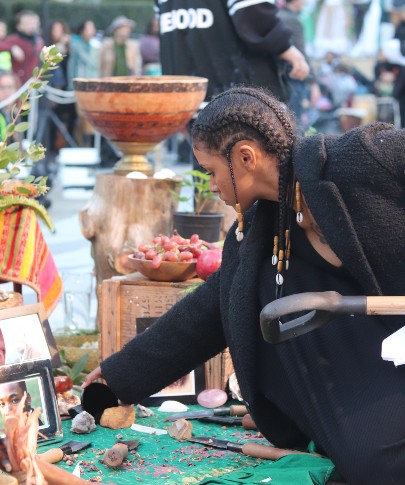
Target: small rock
143,412
181,430
83,423
172,407
212,398
118,417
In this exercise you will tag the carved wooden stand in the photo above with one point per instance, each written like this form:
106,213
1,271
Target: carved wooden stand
125,212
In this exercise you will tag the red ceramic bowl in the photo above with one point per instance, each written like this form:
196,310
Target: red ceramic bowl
167,270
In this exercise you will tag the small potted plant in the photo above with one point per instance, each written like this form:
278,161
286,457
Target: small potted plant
201,218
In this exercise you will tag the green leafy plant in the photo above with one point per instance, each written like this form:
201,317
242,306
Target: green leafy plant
76,371
14,155
199,182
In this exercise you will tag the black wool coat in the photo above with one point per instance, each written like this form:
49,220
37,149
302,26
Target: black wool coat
354,185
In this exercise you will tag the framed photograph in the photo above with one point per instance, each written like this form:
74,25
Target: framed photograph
25,335
35,379
185,389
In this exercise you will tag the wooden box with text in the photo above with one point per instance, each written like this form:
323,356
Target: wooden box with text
123,299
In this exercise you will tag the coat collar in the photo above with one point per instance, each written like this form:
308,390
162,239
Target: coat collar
330,211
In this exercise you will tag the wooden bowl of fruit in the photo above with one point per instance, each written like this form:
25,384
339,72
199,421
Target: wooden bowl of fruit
165,271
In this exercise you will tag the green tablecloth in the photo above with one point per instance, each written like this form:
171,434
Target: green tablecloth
159,459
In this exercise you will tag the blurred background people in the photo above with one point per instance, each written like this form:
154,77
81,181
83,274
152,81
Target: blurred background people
84,62
149,45
304,94
59,34
9,85
5,56
24,45
229,43
84,57
119,54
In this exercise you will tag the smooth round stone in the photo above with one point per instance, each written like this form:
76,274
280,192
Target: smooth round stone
172,407
212,398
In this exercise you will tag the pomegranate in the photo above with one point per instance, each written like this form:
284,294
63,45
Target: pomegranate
208,262
63,383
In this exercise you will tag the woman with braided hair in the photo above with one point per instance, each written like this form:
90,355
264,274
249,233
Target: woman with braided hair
314,214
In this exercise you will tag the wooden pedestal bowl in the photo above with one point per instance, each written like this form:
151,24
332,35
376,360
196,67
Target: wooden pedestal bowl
167,271
137,112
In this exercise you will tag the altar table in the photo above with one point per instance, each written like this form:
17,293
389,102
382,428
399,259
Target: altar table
160,459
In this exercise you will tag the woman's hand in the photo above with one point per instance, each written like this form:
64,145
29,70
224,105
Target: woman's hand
93,376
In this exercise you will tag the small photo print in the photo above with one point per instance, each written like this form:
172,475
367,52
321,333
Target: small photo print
22,339
185,386
13,392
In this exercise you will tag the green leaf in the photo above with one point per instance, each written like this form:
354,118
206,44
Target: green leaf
10,129
21,127
78,367
14,146
23,190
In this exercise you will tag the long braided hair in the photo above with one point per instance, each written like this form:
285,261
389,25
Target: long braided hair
243,113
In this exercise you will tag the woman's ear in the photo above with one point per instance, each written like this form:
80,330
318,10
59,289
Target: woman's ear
247,156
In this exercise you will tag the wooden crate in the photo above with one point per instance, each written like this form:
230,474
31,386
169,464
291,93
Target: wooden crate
124,299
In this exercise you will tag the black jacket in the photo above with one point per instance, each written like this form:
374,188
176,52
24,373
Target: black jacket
354,185
227,42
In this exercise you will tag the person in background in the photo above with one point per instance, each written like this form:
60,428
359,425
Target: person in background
9,85
399,83
25,44
149,46
315,213
229,43
5,56
119,54
83,62
59,34
304,94
84,58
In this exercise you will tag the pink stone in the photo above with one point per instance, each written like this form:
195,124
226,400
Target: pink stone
212,398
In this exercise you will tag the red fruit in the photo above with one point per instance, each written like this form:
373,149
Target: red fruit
171,256
150,254
196,251
170,245
186,256
195,238
157,261
208,262
63,383
143,248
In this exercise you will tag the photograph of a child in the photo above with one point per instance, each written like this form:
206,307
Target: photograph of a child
12,393
22,339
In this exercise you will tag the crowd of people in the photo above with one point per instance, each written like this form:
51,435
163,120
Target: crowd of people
122,51
88,53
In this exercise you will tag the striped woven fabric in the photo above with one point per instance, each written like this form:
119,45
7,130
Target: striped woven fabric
25,257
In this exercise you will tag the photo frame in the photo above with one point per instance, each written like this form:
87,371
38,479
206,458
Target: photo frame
25,334
36,379
185,389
